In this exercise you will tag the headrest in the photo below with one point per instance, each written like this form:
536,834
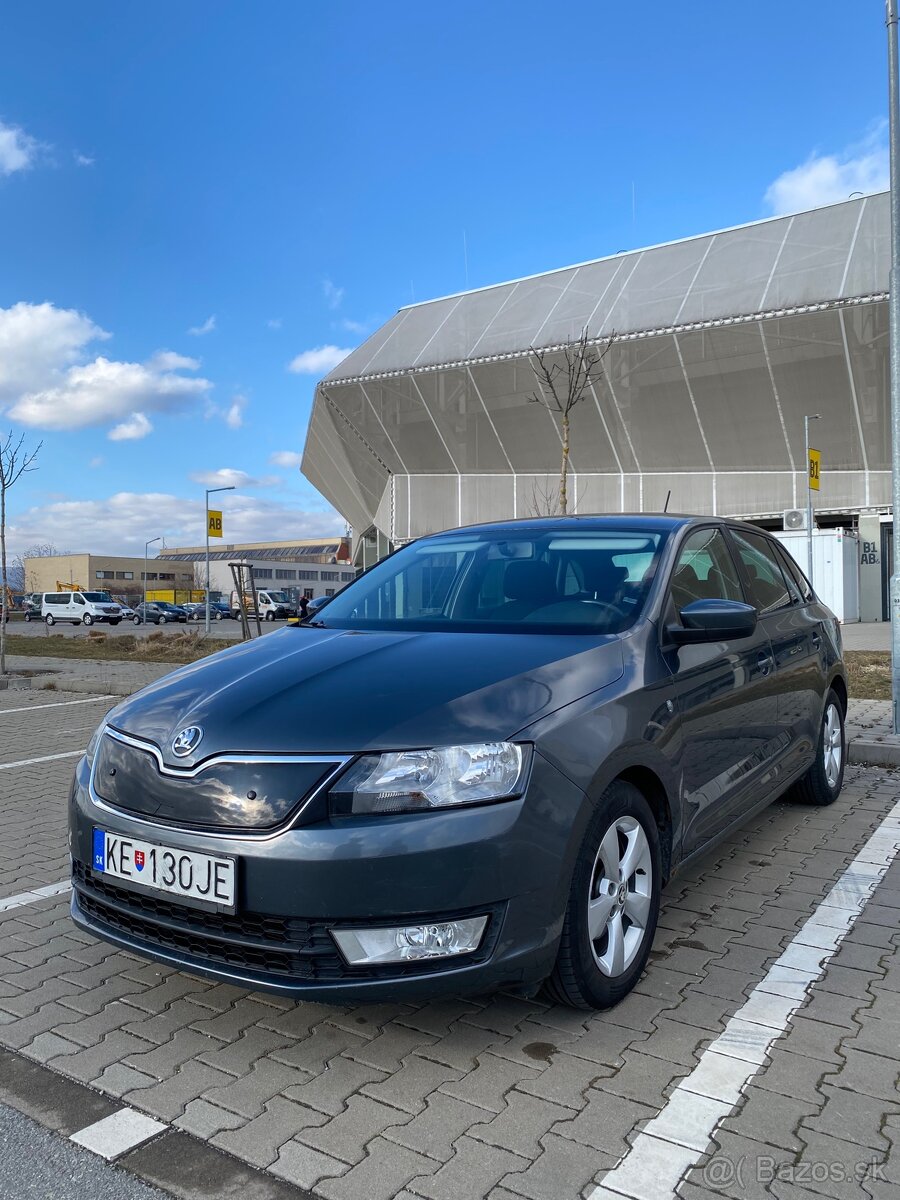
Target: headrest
525,579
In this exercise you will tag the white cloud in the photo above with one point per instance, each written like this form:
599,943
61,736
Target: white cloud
318,361
333,295
97,461
201,330
117,524
274,322
285,458
136,427
359,327
83,160
234,415
232,477
49,381
170,360
18,150
828,178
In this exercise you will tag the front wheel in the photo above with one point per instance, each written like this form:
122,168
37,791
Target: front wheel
822,783
87,619
162,620
218,616
270,616
613,904
136,620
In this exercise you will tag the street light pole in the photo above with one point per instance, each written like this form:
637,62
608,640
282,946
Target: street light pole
809,500
210,492
147,546
894,328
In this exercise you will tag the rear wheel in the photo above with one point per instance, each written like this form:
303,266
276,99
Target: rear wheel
218,616
136,620
613,904
162,620
50,619
822,783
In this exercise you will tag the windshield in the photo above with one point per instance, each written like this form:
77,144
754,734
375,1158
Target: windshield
97,597
578,581
277,597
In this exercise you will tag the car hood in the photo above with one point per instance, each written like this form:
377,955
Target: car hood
304,690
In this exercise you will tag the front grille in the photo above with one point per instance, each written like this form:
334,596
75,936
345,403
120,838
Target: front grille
292,949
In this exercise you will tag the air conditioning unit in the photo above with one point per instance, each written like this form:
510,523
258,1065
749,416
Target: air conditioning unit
794,518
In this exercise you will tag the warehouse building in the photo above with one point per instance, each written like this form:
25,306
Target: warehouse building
722,343
311,566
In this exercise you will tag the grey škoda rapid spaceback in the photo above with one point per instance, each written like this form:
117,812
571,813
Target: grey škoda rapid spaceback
476,768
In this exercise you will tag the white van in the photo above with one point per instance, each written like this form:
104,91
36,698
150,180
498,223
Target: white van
272,605
81,608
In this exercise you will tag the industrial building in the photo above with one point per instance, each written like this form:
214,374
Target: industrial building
721,344
310,566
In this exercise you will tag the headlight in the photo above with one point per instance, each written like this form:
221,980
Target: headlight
93,744
418,780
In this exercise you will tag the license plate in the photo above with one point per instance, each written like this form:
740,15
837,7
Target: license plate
204,879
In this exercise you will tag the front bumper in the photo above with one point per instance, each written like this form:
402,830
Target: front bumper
511,861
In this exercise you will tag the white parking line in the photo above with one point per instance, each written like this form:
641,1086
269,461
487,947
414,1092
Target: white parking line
29,762
669,1145
56,704
118,1133
32,897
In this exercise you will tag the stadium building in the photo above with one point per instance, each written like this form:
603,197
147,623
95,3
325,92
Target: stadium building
722,343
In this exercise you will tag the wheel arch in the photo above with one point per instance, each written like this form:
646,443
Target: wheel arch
651,787
838,685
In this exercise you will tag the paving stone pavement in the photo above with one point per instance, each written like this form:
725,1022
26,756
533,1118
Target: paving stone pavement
484,1098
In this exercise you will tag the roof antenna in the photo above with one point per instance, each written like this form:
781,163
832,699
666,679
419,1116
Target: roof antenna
668,498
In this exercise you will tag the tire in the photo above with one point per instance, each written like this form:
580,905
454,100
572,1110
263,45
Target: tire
218,616
597,973
822,783
162,620
114,622
87,619
270,616
27,618
50,619
135,620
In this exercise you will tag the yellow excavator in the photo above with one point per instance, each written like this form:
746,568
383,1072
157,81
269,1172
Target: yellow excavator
68,587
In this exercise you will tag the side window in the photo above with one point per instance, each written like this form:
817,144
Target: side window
705,570
79,599
793,572
768,590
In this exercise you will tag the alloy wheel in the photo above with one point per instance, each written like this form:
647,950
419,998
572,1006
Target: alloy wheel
832,745
620,896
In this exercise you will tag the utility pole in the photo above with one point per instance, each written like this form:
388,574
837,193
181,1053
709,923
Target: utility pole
210,492
809,501
894,327
147,546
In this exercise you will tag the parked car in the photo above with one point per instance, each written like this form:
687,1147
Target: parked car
160,612
128,613
218,611
31,606
79,608
510,737
315,604
271,605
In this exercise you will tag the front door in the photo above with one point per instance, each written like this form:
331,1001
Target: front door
726,704
795,632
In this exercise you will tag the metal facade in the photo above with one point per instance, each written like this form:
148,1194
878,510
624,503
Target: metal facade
722,343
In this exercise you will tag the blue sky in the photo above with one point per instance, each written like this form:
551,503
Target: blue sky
194,196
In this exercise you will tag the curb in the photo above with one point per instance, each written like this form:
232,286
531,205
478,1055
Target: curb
874,754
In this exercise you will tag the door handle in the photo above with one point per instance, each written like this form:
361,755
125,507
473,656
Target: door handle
816,640
765,662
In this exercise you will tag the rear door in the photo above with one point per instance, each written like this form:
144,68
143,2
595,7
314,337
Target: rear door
725,701
795,634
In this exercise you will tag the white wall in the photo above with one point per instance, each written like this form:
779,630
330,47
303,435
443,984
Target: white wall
835,574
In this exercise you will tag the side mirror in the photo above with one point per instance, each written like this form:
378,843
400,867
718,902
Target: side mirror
713,621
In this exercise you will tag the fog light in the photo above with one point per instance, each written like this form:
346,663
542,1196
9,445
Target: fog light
406,943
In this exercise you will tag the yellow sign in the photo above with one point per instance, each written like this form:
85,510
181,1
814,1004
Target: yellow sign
215,522
815,459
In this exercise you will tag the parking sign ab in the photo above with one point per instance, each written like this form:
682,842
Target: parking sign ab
215,523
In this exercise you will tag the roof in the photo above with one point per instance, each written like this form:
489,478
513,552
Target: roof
836,252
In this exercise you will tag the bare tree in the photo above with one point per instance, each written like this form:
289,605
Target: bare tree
564,377
544,499
15,460
18,572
